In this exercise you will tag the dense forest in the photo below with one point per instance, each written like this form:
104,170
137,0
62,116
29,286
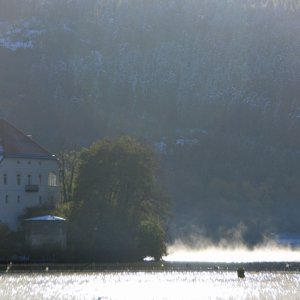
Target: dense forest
212,85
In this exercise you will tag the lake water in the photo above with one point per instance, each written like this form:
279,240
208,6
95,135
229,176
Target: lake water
211,273
156,285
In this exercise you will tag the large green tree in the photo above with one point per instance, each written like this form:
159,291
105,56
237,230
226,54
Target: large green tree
118,208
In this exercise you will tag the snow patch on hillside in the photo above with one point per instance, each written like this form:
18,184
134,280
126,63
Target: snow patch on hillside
14,45
19,35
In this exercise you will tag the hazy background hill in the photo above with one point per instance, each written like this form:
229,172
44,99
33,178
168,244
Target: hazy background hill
213,85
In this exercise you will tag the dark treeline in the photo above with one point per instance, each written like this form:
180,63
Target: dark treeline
222,76
224,181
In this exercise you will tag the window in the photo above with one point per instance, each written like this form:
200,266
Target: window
6,199
5,178
40,179
29,179
52,179
18,179
18,199
40,200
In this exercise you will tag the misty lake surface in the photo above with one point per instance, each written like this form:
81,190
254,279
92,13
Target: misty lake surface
156,285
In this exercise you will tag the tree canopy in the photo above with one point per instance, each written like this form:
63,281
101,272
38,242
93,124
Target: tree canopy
118,207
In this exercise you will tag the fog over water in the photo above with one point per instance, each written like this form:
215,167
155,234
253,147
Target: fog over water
205,251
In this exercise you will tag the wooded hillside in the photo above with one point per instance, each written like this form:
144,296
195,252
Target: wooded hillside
214,85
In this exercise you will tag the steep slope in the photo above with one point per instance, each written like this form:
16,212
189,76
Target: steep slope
215,83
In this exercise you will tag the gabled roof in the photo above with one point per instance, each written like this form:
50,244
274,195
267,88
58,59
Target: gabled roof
46,218
14,143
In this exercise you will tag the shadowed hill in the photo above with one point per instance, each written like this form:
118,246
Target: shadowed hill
221,76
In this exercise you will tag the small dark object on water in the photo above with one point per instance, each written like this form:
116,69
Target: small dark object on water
241,273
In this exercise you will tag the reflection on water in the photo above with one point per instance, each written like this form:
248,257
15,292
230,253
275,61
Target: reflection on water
167,285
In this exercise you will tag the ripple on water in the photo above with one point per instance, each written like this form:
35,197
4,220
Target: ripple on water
171,285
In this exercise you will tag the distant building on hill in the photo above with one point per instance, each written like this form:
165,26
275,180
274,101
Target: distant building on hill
28,174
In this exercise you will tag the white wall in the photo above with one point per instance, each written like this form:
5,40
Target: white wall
13,197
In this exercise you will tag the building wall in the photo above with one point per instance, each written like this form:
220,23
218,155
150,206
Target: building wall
15,175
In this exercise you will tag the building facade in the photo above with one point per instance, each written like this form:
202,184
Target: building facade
28,175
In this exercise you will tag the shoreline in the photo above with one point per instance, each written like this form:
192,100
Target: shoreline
166,266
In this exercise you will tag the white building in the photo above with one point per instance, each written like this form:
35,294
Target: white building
28,174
